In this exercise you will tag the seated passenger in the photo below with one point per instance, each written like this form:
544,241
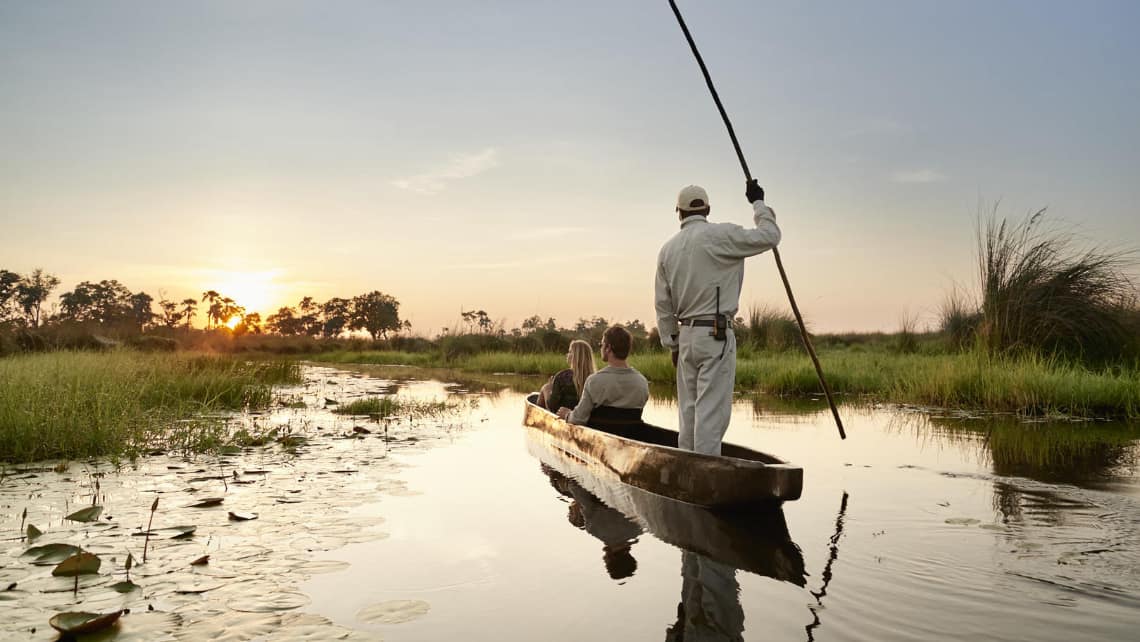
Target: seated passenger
614,393
565,388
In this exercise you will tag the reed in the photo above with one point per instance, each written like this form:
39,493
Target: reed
1042,291
74,404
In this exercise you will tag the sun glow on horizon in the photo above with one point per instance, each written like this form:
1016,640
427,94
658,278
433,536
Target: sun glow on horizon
255,291
233,322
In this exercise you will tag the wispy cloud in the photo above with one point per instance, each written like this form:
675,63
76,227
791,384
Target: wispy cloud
918,176
457,166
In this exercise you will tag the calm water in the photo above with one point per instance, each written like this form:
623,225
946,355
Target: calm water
469,526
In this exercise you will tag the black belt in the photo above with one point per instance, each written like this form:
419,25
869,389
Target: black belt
702,323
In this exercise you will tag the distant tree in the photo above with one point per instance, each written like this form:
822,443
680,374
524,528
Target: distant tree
284,322
141,312
310,316
637,329
212,298
32,291
105,302
189,307
591,329
9,284
336,314
250,324
168,315
478,319
377,313
229,310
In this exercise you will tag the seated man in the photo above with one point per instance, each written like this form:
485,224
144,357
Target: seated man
614,393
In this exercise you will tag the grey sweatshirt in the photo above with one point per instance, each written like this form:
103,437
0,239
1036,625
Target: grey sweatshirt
610,386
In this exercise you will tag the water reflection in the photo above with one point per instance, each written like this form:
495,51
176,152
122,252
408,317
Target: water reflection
1053,451
617,532
710,602
832,555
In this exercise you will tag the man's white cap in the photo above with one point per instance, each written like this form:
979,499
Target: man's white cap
691,198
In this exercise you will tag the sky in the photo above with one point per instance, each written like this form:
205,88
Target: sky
523,157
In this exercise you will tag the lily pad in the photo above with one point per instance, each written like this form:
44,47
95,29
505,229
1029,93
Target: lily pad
207,502
51,553
89,514
963,521
201,561
33,532
126,586
179,532
81,563
283,601
77,622
242,517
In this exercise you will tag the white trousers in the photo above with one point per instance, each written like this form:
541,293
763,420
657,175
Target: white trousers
705,380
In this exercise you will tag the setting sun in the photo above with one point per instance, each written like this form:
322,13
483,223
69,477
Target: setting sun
254,291
233,322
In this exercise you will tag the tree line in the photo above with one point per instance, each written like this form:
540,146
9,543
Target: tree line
109,303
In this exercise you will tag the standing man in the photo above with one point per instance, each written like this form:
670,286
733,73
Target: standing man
699,274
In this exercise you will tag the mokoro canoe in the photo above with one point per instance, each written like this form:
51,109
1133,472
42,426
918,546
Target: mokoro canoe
753,539
647,457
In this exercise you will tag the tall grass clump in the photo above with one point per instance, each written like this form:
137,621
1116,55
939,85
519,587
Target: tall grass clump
1041,292
958,320
771,329
75,404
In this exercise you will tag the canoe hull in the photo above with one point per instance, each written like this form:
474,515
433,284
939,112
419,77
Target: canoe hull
740,476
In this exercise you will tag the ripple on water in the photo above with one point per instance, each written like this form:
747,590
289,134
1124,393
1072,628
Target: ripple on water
393,612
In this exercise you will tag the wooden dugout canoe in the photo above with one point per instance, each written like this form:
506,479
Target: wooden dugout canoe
647,457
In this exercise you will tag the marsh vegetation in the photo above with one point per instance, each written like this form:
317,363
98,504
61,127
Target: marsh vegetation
80,404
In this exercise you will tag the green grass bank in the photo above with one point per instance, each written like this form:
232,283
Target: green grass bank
80,404
974,380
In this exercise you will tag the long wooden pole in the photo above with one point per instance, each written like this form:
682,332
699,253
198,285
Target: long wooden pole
775,251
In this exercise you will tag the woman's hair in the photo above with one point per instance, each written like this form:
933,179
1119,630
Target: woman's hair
581,362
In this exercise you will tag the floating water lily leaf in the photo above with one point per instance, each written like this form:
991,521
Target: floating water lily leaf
361,430
33,532
197,589
126,586
51,553
962,521
242,517
331,402
205,559
207,502
181,532
81,563
77,622
279,601
89,514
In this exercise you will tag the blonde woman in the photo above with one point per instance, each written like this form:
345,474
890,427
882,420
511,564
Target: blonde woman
565,388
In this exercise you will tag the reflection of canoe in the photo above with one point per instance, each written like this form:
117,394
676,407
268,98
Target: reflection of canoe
753,539
647,457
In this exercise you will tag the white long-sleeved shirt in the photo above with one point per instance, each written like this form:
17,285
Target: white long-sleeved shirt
701,257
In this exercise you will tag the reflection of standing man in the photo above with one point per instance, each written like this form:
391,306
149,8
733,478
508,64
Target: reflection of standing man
710,608
699,274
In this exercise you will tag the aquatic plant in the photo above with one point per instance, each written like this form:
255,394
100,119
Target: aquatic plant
71,404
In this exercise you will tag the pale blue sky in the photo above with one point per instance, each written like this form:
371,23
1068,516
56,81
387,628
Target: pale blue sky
523,157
